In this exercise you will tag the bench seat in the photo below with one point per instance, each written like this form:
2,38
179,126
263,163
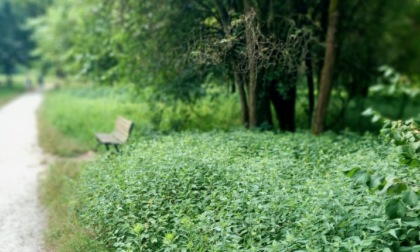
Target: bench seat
120,135
107,138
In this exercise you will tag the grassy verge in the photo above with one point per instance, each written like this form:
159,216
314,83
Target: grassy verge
69,118
64,233
8,93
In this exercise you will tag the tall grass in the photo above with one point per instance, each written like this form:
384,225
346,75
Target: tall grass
69,118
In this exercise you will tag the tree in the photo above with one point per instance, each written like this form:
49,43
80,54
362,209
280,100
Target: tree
264,47
327,70
15,45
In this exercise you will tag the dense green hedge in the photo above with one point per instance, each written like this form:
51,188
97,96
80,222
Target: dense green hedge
239,191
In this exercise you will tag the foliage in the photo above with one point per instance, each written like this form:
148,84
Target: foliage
97,108
406,136
242,192
55,33
402,189
394,84
15,45
173,46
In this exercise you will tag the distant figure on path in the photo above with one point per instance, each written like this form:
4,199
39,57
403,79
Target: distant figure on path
41,81
28,84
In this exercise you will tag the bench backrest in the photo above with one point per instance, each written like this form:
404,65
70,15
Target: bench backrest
123,128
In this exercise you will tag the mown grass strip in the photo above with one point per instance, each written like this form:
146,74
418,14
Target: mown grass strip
64,232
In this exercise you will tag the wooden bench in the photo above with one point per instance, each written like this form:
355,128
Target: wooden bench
122,131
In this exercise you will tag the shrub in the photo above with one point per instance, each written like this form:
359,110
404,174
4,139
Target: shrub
239,191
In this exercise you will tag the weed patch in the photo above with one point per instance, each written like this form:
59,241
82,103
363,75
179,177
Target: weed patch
237,192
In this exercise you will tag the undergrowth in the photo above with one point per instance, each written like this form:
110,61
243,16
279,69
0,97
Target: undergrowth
241,191
218,191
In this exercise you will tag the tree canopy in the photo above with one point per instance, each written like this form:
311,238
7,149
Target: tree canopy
269,52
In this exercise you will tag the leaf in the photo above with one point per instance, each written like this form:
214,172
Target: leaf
396,188
395,209
362,178
368,112
376,118
414,163
412,223
393,233
376,181
410,198
352,172
374,228
415,146
409,249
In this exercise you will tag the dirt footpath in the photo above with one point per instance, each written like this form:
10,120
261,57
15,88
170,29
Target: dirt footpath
21,216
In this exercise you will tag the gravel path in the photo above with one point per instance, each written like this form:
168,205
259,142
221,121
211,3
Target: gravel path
21,216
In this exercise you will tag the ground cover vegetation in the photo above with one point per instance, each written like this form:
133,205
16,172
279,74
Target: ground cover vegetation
8,93
243,191
393,186
180,69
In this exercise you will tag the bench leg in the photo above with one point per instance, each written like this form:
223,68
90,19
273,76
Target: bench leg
107,147
116,148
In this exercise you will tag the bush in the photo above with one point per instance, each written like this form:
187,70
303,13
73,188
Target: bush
239,191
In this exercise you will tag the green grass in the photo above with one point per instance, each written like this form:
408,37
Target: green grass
69,118
64,233
8,93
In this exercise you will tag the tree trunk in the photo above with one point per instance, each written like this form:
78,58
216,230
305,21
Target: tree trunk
9,80
284,104
253,85
311,89
240,86
264,119
327,70
253,98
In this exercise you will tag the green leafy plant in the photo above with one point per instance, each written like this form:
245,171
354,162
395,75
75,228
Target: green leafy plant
401,187
244,191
